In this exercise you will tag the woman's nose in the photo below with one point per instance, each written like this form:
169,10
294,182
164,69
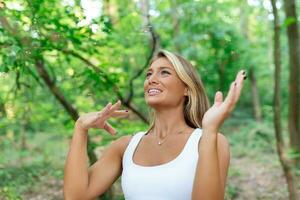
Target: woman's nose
152,78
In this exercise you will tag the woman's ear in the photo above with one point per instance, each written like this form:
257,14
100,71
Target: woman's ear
186,91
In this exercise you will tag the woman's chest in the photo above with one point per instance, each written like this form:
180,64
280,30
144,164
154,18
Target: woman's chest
150,153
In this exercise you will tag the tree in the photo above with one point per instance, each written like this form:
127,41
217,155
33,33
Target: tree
285,163
294,73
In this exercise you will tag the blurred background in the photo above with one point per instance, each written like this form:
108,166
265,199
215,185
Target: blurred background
62,58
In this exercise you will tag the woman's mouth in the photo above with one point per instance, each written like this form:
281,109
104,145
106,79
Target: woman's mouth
154,91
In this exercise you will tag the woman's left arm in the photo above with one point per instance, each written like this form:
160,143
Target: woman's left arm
214,155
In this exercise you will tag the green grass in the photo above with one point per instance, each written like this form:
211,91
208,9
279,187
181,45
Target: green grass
22,170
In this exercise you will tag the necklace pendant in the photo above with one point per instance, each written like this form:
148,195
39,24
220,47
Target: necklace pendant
159,143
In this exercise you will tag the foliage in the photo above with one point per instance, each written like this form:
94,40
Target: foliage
91,57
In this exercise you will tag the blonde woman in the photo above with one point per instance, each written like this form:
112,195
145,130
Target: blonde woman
181,156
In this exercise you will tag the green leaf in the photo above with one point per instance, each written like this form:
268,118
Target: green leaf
288,21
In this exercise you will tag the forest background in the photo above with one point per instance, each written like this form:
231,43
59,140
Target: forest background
62,58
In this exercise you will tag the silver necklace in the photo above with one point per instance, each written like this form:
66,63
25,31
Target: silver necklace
161,142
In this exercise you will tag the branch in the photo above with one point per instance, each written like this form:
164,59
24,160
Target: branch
18,79
86,61
35,77
154,45
40,67
7,26
115,88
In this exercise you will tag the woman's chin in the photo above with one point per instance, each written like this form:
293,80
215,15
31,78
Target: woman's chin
154,103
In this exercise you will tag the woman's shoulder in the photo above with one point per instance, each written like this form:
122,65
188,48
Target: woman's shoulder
122,142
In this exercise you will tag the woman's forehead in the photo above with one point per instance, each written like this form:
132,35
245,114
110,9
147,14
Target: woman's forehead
161,63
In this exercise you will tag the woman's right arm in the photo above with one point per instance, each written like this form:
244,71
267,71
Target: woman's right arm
80,181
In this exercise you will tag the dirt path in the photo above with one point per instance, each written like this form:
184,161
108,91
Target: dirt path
257,180
48,189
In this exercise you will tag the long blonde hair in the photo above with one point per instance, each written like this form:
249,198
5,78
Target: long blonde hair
196,103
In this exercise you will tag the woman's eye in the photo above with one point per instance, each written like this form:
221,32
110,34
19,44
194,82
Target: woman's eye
165,71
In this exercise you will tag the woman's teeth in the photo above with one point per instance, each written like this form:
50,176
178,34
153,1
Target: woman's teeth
154,91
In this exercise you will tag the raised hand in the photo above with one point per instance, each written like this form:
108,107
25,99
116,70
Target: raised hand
220,110
98,119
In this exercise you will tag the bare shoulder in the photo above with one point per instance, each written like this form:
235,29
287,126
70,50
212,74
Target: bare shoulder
121,143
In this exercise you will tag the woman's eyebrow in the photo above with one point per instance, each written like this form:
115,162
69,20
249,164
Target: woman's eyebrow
150,69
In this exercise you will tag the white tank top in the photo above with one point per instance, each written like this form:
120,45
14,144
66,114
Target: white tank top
169,181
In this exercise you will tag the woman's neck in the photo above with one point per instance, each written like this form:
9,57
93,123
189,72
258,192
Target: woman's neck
169,121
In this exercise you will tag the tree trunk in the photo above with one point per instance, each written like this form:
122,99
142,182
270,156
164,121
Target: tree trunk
244,24
294,79
24,124
255,96
2,109
277,110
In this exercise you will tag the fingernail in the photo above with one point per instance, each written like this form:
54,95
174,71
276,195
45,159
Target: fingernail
245,77
244,72
234,83
126,110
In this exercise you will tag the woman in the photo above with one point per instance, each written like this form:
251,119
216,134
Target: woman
161,163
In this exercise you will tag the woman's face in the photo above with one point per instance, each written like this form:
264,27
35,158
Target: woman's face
162,86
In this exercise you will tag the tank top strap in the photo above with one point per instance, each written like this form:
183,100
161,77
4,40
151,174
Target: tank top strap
131,147
135,140
192,144
197,136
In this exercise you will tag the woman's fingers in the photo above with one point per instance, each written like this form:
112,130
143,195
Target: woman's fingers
229,100
234,91
105,110
108,109
112,111
218,98
115,107
109,128
240,81
120,113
